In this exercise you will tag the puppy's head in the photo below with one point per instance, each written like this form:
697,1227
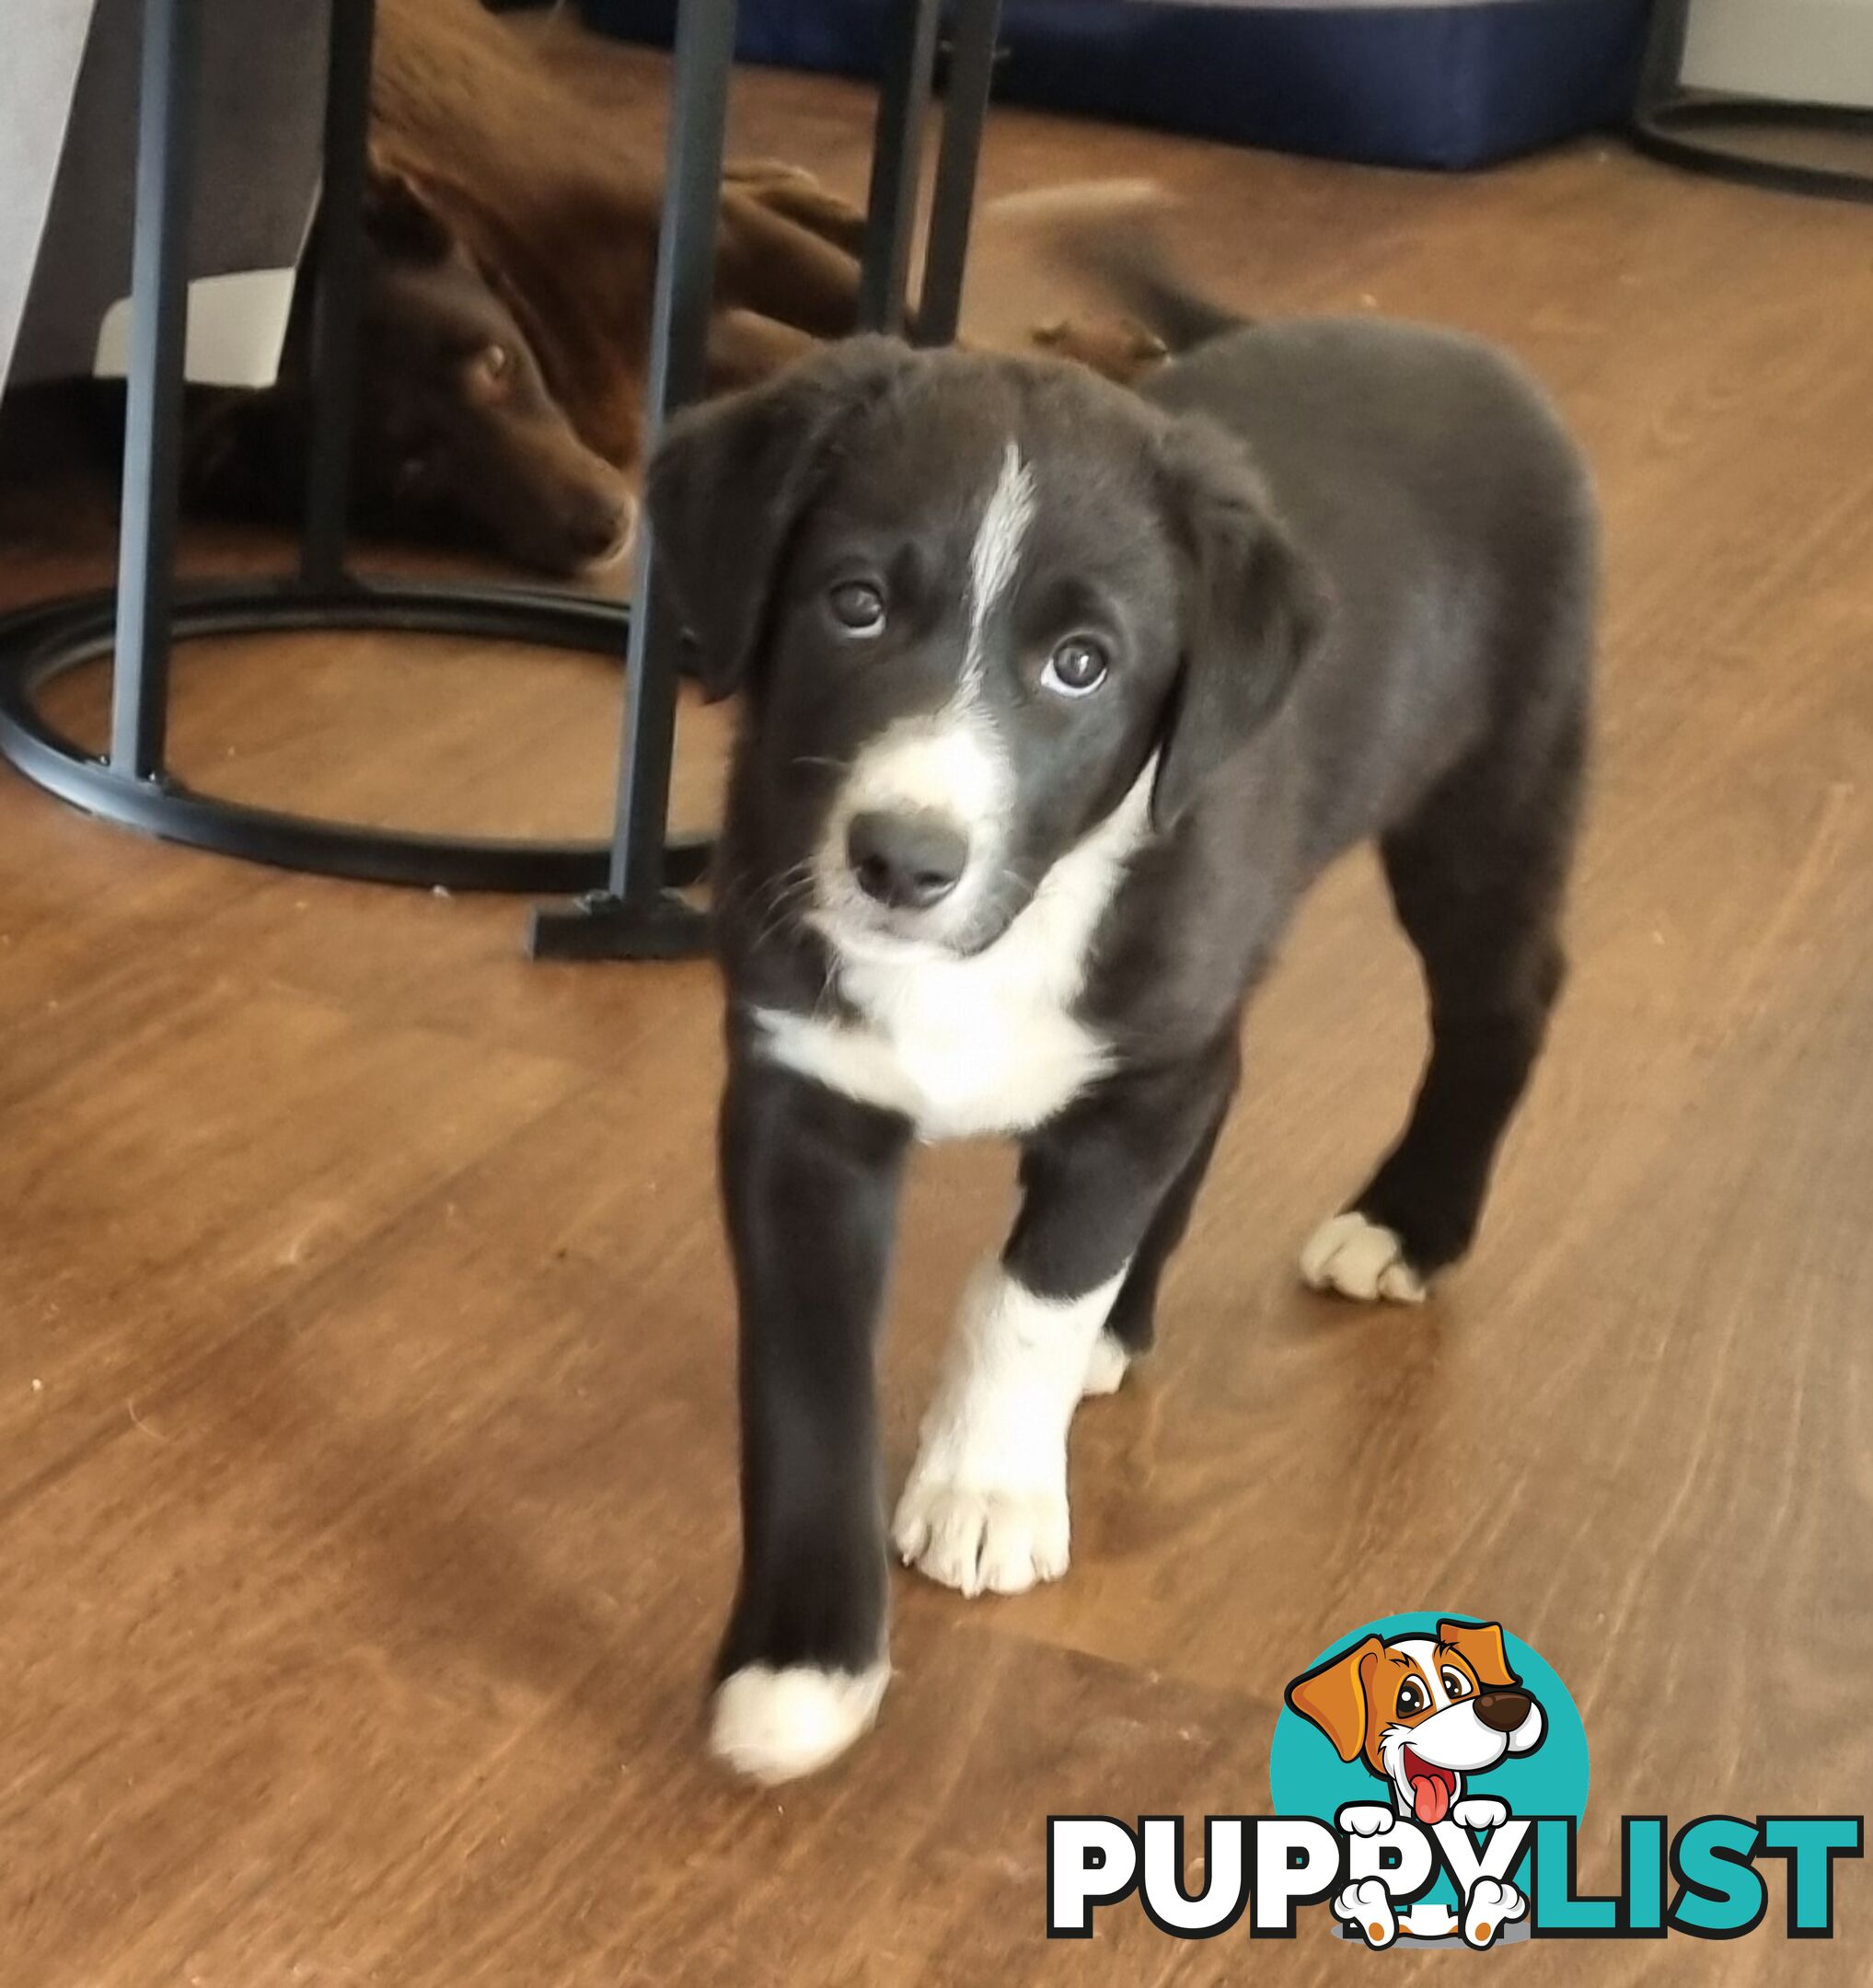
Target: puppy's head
969,601
1423,1711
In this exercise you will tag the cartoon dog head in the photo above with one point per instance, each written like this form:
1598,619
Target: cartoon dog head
1422,1712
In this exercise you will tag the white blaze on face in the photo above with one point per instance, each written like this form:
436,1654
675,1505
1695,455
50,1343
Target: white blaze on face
949,761
995,558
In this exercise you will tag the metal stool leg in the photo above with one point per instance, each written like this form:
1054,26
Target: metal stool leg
341,256
966,112
153,423
639,916
897,166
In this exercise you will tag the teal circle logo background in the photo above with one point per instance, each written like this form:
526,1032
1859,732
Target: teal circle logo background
1306,1776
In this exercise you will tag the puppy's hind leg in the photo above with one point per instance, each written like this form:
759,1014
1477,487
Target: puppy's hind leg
1478,876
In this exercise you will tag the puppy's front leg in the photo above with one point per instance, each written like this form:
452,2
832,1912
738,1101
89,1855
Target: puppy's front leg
986,1505
810,1182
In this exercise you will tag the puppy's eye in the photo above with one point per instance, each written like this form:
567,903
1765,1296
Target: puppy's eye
1455,1682
414,469
857,606
1076,667
1411,1698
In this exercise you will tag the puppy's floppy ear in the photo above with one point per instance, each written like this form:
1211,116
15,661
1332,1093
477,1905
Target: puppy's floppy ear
1254,610
730,480
1332,1696
1480,1645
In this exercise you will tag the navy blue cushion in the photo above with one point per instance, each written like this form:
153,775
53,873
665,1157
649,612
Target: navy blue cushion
1404,86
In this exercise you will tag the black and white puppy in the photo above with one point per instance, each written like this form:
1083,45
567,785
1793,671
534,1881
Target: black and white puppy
1056,699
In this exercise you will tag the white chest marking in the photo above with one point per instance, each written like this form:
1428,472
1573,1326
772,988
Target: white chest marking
965,1047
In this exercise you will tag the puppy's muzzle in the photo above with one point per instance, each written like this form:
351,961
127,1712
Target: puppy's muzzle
906,859
1503,1711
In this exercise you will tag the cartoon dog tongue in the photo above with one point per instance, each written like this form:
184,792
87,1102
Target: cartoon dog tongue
1430,1798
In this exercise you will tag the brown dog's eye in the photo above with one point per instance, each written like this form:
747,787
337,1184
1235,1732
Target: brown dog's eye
1411,1698
491,373
1076,667
1455,1682
857,606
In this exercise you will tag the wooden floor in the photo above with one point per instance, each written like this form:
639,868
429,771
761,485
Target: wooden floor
365,1428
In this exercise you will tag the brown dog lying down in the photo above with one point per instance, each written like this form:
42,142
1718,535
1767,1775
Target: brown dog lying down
510,249
526,175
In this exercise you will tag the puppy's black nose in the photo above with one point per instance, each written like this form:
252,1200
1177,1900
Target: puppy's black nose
908,860
1503,1711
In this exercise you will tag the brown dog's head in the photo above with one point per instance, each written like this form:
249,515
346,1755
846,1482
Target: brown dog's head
457,431
458,438
1423,1711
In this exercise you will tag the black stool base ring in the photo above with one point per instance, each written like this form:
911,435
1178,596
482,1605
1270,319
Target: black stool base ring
41,642
1676,130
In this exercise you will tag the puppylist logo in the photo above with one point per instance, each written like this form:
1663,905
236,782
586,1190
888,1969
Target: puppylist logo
1428,1775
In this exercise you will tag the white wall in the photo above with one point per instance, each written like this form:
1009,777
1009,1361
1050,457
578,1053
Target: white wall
1820,50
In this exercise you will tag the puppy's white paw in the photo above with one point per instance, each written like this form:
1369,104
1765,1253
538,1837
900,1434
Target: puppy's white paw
1480,1812
1491,1904
1367,1905
776,1725
986,1507
982,1540
1359,1258
1365,1818
1106,1367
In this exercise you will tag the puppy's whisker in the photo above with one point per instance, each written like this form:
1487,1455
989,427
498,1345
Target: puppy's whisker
774,918
784,897
782,916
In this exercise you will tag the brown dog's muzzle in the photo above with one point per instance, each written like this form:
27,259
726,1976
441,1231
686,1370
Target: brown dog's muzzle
1503,1711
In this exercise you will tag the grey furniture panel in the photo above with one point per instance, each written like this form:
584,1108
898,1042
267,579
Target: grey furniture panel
259,104
35,86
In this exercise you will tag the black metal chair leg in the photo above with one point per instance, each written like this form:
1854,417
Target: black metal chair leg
897,166
340,258
153,423
953,203
640,917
